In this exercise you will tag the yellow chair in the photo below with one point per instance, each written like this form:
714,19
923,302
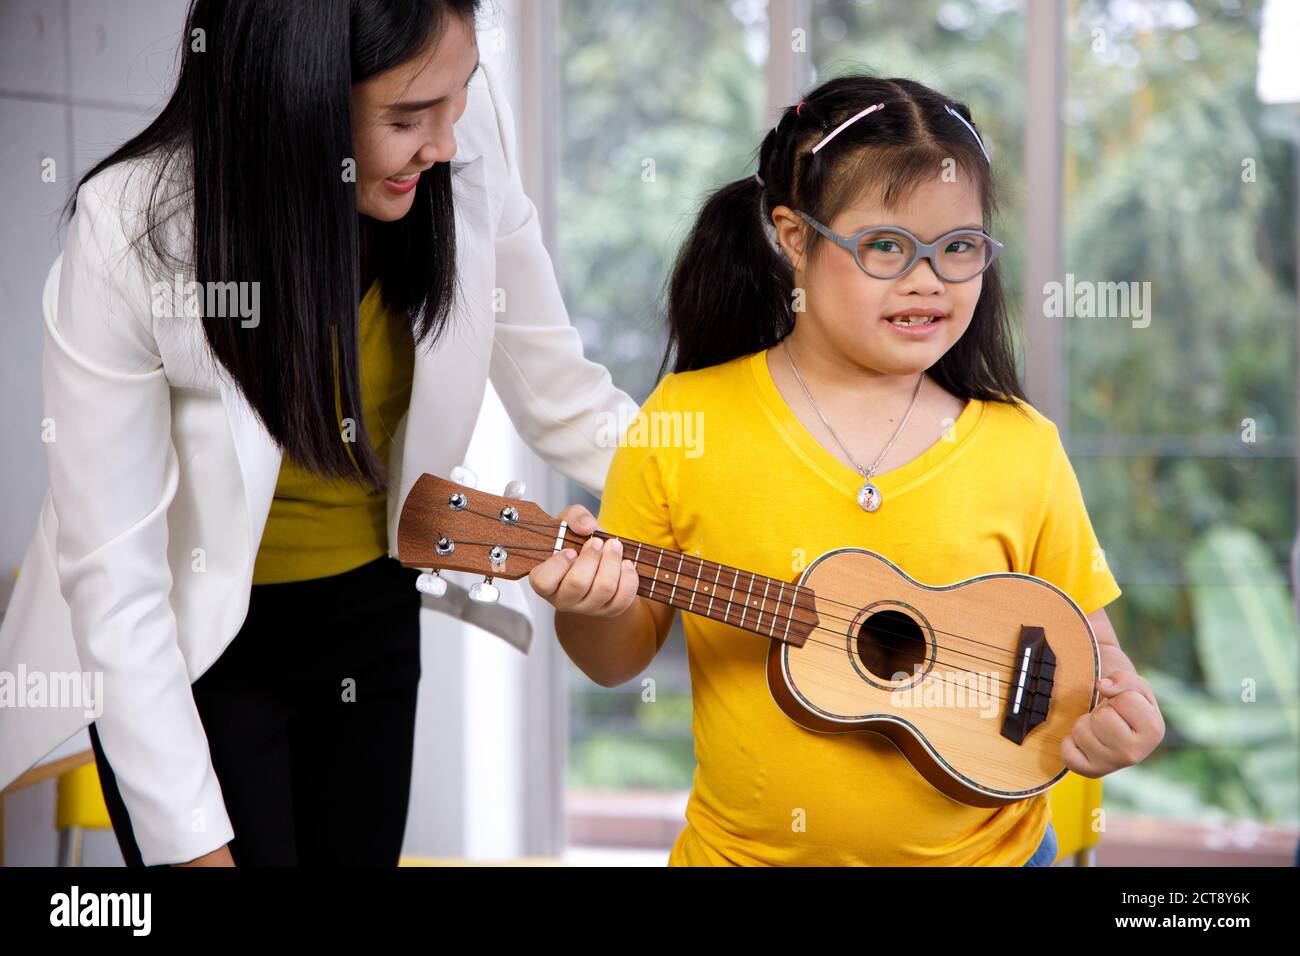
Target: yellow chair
81,807
80,803
80,800
1075,802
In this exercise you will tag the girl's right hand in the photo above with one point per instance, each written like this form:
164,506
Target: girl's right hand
596,581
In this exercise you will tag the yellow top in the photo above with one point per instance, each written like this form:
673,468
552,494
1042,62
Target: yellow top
318,526
767,497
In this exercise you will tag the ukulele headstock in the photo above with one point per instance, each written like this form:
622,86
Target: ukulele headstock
454,527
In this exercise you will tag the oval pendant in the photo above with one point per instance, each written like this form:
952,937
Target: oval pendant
869,497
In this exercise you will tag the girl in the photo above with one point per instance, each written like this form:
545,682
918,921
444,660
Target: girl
839,329
219,543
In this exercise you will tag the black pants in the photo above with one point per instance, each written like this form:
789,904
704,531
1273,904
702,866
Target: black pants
310,719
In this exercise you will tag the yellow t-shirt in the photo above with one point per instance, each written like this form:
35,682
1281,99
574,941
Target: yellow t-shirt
319,526
736,478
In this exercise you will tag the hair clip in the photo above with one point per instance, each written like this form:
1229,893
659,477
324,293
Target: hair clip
759,179
972,132
848,122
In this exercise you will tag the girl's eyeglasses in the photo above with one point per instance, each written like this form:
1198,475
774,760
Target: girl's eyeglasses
887,252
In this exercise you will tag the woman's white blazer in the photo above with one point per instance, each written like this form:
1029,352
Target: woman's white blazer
161,476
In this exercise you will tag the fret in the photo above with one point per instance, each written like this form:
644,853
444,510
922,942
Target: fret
695,589
749,600
732,602
779,595
709,610
681,559
747,594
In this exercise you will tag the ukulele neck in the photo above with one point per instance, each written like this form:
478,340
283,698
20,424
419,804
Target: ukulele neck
775,609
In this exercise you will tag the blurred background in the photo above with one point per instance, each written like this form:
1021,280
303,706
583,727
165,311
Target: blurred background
1152,141
1137,141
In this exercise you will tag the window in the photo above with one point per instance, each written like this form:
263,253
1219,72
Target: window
1180,185
1177,209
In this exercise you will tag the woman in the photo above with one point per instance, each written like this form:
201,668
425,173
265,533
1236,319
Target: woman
218,420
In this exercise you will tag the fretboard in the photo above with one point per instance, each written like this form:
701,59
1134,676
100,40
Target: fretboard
775,609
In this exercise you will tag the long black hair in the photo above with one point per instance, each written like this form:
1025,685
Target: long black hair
731,290
259,127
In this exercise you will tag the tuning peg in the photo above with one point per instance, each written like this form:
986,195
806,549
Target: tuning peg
515,489
429,583
484,592
464,476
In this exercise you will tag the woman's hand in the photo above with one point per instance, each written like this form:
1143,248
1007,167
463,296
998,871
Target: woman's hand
218,857
1120,731
597,581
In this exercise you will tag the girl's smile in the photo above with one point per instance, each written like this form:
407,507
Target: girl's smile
916,322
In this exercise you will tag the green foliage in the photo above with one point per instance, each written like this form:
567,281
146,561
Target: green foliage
662,105
1163,123
1243,713
602,761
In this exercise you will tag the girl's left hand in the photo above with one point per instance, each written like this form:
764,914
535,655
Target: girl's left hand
1120,731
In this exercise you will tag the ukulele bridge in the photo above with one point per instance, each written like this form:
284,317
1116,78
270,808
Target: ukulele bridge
1030,693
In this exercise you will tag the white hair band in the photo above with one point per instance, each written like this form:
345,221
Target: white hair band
972,132
848,122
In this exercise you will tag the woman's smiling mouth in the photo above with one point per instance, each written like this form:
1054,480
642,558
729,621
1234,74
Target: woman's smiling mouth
404,183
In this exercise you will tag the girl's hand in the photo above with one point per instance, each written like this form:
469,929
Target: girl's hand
596,581
1120,731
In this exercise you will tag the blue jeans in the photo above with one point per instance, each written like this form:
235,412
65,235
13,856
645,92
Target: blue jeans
1045,855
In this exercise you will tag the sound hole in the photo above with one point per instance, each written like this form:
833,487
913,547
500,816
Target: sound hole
890,642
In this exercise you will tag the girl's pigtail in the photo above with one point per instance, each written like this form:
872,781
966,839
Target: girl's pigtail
730,289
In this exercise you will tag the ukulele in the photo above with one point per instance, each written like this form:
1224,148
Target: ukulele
976,683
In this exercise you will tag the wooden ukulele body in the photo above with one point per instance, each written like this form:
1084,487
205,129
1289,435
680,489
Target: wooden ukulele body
935,670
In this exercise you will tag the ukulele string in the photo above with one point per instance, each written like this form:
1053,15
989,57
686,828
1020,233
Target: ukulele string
681,572
825,599
1004,679
1045,745
837,645
796,588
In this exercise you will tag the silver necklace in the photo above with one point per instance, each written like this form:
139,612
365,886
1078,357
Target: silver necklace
869,497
